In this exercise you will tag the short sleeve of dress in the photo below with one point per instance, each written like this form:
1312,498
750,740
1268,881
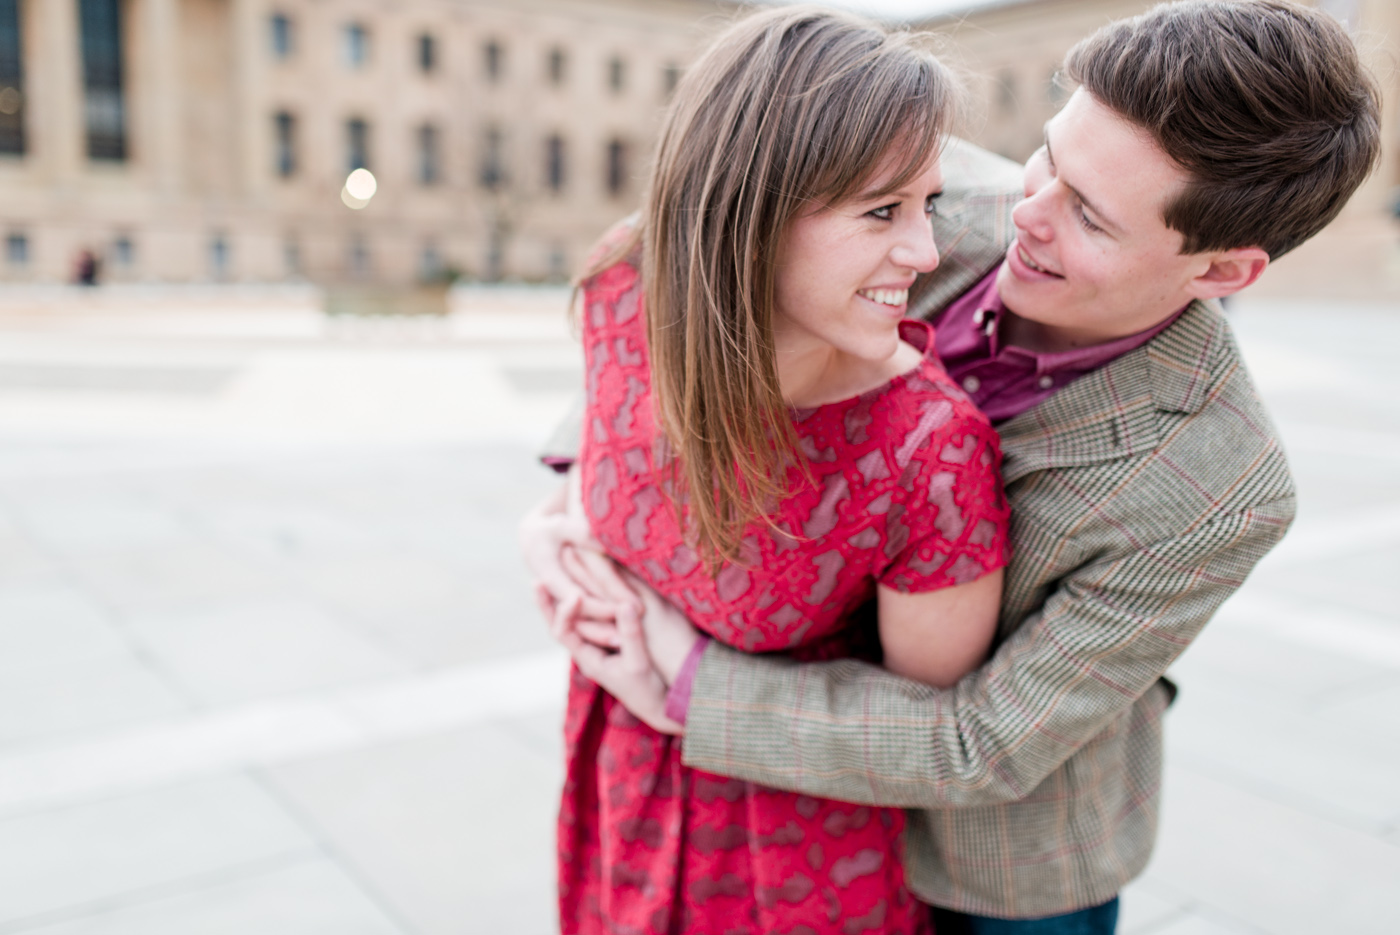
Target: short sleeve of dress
955,514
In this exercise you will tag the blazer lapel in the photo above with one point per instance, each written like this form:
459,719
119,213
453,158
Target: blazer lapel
1112,412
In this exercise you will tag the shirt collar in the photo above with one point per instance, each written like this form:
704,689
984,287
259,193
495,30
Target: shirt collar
991,313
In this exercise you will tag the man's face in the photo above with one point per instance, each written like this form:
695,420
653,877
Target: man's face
1093,259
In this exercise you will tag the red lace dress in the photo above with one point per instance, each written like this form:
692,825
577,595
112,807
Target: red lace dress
906,493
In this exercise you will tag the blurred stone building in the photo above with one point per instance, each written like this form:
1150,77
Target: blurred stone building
209,140
188,140
1010,50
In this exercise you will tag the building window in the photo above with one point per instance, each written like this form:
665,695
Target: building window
291,256
104,106
427,54
358,257
356,41
281,34
558,263
218,257
617,74
557,66
495,56
495,257
554,163
493,169
429,155
617,167
670,79
17,249
285,140
123,252
356,144
11,80
430,265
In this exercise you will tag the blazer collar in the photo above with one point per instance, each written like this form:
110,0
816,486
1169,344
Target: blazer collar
1112,412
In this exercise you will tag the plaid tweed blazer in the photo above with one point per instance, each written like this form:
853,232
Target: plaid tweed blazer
1141,496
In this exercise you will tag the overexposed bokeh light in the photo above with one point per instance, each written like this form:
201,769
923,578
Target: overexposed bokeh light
361,184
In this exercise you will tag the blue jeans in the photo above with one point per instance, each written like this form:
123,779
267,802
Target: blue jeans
1096,920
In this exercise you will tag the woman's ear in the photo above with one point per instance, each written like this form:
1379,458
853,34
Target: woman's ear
1229,272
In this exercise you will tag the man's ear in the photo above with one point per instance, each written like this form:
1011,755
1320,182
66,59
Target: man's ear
1229,272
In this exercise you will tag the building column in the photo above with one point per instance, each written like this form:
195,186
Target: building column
252,125
158,26
54,86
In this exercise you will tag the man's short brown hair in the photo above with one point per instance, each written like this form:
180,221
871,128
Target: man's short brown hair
1264,103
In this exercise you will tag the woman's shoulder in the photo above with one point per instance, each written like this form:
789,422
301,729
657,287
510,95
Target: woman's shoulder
932,420
611,284
617,252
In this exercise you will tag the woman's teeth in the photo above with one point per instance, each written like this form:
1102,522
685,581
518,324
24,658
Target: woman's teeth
894,297
1026,259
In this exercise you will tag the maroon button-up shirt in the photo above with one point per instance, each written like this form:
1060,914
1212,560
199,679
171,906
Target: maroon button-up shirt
1004,380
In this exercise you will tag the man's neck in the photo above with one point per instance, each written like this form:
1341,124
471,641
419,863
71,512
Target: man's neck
1034,336
1050,339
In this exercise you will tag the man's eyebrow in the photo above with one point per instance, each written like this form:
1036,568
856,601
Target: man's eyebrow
1050,157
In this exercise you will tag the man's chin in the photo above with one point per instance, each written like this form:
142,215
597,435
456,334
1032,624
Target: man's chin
1012,292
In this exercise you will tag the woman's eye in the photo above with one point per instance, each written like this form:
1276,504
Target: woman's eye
931,204
1087,224
883,213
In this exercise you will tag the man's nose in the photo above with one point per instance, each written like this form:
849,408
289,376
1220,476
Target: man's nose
917,251
1033,216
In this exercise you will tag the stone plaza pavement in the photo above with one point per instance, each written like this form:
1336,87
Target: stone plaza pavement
268,664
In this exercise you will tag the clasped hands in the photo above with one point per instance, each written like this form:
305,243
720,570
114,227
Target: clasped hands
619,631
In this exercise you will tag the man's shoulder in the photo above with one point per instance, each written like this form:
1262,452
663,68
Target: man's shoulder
1174,429
971,224
969,171
1213,425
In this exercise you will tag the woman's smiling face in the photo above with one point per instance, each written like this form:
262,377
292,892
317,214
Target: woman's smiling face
844,272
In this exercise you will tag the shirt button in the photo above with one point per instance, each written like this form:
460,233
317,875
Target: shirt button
971,384
1046,382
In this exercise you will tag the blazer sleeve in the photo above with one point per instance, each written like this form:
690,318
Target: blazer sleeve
852,731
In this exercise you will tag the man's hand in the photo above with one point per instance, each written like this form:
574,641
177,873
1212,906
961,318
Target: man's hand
669,634
627,673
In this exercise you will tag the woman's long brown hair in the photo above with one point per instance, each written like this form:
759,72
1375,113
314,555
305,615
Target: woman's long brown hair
787,111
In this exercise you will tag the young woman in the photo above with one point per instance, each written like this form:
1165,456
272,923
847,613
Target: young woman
769,444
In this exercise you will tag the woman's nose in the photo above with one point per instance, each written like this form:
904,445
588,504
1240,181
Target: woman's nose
917,251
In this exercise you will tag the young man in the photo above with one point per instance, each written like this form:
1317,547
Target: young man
1205,139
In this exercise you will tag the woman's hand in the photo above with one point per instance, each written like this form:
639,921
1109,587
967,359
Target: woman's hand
562,555
669,634
626,673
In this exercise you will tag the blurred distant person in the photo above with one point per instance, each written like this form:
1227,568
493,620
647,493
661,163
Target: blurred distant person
1205,139
86,269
